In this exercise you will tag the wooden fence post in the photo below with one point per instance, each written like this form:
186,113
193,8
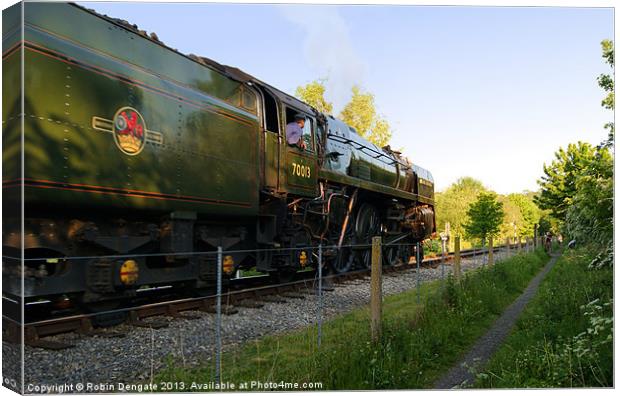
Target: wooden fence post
375,290
457,258
490,251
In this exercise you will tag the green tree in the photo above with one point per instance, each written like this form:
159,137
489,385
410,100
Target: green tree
381,133
590,217
512,217
521,214
558,184
361,114
606,82
530,213
547,224
313,93
486,215
451,205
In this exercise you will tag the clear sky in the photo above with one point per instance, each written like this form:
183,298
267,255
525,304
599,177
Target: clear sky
487,92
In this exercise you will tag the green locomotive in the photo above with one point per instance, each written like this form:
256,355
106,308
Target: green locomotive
132,149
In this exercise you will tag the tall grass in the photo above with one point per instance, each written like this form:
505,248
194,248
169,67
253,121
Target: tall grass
419,342
564,337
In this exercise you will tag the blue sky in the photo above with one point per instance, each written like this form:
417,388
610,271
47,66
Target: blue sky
487,92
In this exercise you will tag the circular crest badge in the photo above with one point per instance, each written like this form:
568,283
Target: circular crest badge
129,131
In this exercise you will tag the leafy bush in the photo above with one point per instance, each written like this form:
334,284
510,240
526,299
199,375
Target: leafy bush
564,337
604,259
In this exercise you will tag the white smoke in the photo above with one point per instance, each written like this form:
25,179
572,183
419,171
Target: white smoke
328,50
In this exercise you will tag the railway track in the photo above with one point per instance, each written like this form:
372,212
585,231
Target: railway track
35,333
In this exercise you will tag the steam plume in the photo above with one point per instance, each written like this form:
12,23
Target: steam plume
328,49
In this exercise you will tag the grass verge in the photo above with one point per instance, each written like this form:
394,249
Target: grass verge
420,341
564,336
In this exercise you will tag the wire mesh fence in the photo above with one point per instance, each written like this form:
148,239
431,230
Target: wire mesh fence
216,346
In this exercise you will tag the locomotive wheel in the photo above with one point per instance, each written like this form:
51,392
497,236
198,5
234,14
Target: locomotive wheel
344,260
98,306
283,276
390,256
404,253
421,254
345,256
367,225
106,319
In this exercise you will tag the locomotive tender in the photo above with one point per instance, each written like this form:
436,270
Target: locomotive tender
133,149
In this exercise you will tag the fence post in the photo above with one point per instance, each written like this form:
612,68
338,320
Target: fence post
490,251
443,257
320,291
218,319
508,246
375,290
457,258
473,246
418,258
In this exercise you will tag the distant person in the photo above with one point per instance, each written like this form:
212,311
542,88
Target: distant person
295,131
548,242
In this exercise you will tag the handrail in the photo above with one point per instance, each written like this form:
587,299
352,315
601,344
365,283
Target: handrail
380,154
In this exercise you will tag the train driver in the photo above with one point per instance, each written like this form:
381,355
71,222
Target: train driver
295,131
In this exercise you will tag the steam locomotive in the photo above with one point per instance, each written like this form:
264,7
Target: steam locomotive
134,157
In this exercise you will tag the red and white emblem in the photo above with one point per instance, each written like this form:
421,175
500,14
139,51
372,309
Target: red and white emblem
129,130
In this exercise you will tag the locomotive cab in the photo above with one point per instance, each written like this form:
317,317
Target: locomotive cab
301,165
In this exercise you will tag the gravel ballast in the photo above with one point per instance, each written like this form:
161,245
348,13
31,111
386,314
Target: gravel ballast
143,351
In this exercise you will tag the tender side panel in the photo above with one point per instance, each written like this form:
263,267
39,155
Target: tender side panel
11,93
200,154
11,124
116,42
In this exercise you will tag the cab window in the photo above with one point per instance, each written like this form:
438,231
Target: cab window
234,96
307,130
307,136
248,100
